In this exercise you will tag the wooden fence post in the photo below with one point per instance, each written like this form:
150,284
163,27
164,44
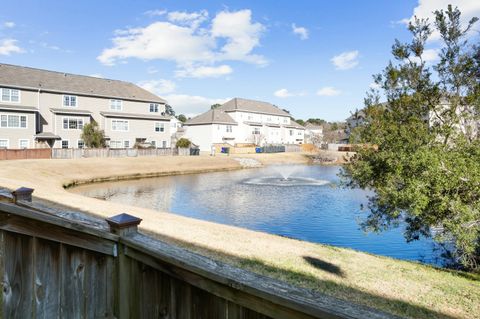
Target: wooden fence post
22,193
124,225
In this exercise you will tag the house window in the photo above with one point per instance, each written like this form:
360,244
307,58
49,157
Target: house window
64,143
153,143
126,144
120,125
256,131
3,143
70,100
23,143
159,127
154,108
284,120
299,132
116,105
228,128
291,132
72,123
80,144
10,95
13,121
164,144
115,144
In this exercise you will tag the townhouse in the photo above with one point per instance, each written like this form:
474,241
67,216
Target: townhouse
40,108
244,121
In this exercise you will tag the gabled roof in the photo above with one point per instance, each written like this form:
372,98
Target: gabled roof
295,125
51,81
239,104
311,126
215,116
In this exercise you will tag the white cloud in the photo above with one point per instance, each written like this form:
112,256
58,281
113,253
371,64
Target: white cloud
152,70
97,75
158,87
241,35
191,105
9,24
345,60
154,13
231,36
193,19
328,91
425,9
428,56
284,93
300,31
374,86
9,46
204,71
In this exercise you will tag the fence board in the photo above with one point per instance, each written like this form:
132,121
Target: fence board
18,279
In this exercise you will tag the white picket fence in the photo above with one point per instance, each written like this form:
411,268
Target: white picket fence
72,153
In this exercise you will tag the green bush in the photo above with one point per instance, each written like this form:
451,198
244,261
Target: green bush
183,143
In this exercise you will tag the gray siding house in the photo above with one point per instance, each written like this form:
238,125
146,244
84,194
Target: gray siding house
40,108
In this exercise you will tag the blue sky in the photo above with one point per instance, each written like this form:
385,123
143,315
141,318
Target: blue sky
314,58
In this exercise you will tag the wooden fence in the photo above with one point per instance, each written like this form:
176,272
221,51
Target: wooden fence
27,153
63,264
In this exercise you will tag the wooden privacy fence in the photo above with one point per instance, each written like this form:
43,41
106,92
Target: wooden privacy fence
63,264
27,153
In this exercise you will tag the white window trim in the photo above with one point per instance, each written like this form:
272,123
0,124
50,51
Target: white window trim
19,121
115,109
155,127
68,126
150,109
128,126
83,143
20,143
68,143
8,142
19,95
63,100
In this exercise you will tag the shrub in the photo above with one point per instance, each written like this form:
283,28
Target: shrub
183,143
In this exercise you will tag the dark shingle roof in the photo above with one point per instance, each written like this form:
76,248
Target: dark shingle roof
239,104
30,78
215,116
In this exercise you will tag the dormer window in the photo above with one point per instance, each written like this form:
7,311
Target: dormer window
10,95
116,105
70,100
154,108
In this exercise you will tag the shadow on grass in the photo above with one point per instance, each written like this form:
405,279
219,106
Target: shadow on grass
325,266
339,290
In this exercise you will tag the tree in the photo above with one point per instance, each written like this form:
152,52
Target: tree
316,121
215,106
300,121
424,160
169,110
92,136
183,143
182,118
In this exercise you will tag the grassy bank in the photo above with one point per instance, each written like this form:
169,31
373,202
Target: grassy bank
400,287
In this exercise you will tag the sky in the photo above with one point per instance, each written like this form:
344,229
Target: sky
313,58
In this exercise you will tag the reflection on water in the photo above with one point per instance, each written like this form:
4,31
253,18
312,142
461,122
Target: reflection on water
312,208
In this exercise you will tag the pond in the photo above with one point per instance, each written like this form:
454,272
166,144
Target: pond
298,201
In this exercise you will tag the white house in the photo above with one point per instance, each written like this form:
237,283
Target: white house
243,121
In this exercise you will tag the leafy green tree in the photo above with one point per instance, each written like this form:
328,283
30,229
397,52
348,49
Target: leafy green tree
92,136
214,106
423,163
316,121
183,143
182,118
169,110
300,121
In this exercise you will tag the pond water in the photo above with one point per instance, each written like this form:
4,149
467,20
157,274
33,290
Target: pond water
297,201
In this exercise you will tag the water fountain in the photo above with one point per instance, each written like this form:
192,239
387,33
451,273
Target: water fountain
286,179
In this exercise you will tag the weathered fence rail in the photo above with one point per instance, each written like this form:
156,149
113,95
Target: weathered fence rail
62,264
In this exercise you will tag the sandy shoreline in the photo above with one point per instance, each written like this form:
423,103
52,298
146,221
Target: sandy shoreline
376,285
